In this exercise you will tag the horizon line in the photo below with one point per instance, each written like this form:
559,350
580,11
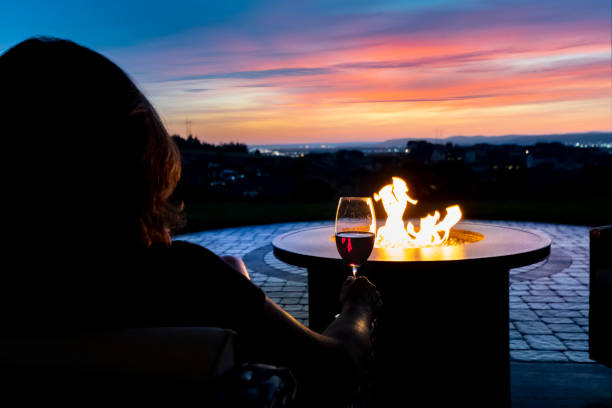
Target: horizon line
355,142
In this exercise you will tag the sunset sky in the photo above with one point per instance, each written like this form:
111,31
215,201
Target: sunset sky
359,70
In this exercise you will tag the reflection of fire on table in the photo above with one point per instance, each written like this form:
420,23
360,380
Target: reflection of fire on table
456,237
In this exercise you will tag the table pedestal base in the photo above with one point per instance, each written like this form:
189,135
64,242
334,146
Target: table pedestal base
443,336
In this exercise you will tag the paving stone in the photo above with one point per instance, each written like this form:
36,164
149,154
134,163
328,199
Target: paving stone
539,306
518,345
274,294
297,284
538,356
581,321
572,336
583,280
559,313
275,280
288,288
565,328
565,280
576,299
541,299
557,320
558,287
543,293
522,315
292,294
515,335
538,287
541,283
544,342
300,315
568,306
577,345
518,305
532,327
578,356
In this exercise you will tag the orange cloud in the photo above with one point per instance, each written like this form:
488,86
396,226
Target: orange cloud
552,77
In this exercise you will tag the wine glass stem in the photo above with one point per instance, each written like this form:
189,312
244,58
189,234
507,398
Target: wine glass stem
354,271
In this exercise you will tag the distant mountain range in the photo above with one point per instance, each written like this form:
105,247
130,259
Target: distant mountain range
566,138
588,138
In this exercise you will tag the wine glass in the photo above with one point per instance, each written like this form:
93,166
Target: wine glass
355,230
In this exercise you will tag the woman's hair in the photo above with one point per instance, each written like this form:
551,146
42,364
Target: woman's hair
86,155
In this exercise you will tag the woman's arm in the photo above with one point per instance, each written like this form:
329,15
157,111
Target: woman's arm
323,363
326,365
360,304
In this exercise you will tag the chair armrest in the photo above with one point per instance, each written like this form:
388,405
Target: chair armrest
189,353
153,366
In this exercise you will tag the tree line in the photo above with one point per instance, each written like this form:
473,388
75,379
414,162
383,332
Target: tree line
192,143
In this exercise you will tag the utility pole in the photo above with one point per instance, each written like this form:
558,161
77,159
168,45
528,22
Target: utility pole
187,128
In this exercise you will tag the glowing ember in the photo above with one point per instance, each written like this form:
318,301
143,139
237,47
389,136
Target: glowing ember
394,235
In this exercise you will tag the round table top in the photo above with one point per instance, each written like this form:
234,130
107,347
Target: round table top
512,247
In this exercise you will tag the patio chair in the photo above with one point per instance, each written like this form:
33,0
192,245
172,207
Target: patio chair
156,366
600,299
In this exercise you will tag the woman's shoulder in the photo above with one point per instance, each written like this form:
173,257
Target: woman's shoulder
186,246
182,248
178,255
208,265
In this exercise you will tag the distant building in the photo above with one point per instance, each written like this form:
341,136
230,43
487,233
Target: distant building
535,161
438,155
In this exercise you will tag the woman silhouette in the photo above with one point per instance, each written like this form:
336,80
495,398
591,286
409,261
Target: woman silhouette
88,172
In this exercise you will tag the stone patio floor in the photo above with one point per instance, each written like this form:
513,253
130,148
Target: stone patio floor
549,301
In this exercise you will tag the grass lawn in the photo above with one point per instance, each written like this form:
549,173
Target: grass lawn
575,212
222,215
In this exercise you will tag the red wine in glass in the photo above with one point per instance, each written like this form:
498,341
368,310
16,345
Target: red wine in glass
355,230
355,246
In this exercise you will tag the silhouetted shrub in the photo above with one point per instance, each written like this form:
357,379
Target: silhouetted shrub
313,189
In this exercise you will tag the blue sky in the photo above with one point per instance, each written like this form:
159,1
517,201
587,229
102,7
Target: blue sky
308,71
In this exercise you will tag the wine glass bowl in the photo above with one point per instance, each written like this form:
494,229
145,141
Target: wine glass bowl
355,230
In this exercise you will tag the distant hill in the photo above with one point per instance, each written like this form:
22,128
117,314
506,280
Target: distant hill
524,140
566,138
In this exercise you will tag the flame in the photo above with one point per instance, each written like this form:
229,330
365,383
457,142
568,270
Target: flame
393,234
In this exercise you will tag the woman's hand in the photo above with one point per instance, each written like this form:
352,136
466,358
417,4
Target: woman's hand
360,292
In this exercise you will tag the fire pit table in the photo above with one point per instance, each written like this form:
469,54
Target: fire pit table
443,335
